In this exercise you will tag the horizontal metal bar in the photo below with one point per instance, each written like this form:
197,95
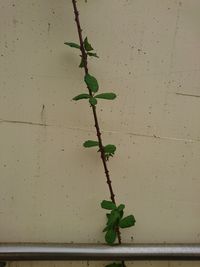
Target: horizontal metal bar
52,251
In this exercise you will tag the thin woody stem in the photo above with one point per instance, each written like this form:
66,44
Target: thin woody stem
98,132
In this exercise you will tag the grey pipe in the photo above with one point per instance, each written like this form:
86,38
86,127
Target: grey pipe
52,251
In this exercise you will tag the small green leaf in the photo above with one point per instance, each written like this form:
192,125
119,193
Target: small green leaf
121,207
110,236
113,218
91,82
110,149
90,143
108,96
114,265
127,222
93,54
93,101
87,45
108,205
81,96
74,45
81,65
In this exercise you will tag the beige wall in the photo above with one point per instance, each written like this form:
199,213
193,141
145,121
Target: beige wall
50,185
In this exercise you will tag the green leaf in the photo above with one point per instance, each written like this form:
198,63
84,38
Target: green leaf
74,45
110,236
90,143
110,149
93,101
91,82
107,215
92,54
81,96
114,265
108,205
108,96
121,214
81,65
113,218
127,222
121,207
87,45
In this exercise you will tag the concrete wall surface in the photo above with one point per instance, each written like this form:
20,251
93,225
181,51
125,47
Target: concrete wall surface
51,187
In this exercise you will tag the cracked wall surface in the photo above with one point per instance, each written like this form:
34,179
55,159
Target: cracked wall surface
149,56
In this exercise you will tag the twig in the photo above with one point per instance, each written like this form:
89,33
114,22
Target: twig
98,132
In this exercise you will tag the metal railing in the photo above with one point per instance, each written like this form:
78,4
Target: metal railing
52,251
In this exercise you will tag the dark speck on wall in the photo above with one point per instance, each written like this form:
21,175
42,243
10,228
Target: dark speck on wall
49,26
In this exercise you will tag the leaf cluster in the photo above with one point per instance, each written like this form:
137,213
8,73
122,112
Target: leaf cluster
115,220
93,87
109,149
87,47
90,80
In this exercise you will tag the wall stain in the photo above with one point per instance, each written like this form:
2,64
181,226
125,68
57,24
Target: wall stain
49,26
43,115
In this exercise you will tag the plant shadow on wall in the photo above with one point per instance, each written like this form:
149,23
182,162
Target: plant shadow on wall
115,217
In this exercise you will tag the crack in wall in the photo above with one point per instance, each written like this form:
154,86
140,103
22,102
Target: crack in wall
23,122
165,137
189,95
154,136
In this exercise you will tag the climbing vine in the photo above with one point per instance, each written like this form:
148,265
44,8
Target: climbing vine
115,217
